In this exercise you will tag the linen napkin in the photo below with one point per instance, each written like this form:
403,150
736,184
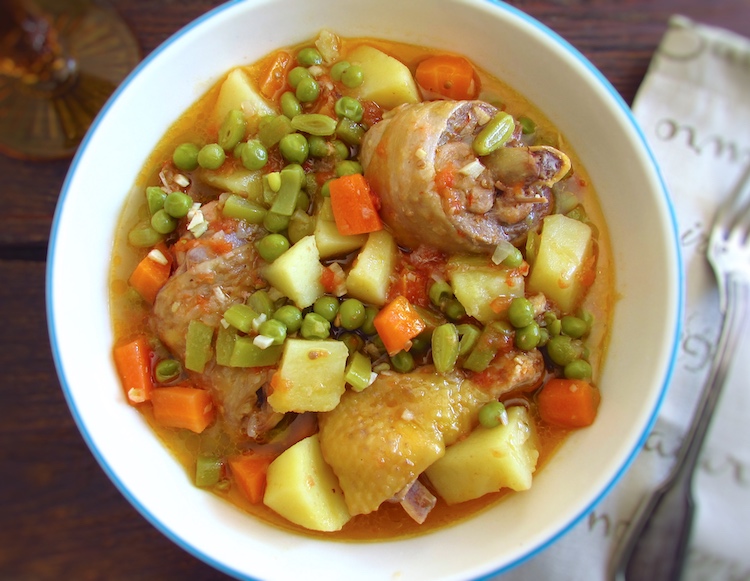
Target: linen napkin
694,109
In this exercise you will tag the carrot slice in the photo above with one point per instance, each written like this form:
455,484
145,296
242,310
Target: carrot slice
273,76
150,275
133,363
353,206
249,472
450,76
570,403
183,407
397,323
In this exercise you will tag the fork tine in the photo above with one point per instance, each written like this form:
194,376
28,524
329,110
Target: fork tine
736,204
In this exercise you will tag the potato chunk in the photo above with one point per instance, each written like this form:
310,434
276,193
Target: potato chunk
237,92
488,460
477,284
302,488
563,263
310,377
296,273
387,81
369,277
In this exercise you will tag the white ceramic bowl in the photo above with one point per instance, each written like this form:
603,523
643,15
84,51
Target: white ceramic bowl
513,47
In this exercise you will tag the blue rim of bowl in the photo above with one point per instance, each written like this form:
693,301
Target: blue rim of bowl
196,551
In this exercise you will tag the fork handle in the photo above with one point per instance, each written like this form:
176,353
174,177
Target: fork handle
655,543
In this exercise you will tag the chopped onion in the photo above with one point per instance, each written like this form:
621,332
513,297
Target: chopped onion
473,169
502,251
263,341
157,256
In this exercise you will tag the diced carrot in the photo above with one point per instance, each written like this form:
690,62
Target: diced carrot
449,76
570,403
397,323
249,472
133,363
183,407
273,76
353,207
150,275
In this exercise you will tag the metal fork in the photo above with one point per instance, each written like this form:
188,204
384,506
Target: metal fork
656,541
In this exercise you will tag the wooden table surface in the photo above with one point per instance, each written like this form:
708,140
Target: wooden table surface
60,516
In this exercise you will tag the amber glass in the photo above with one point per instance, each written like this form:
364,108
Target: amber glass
60,60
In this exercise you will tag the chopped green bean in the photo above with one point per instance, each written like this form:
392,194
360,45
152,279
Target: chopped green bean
440,292
314,124
241,208
208,470
198,345
469,335
167,370
155,197
495,134
241,317
248,354
445,343
261,302
232,129
358,371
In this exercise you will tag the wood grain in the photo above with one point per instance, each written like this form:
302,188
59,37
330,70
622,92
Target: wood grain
61,517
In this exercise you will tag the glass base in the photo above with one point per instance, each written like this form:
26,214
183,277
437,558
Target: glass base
48,120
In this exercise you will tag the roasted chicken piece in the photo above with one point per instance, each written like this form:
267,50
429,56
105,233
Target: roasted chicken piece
380,440
213,272
435,190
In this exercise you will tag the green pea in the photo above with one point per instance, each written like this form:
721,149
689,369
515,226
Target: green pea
350,132
325,190
352,341
300,225
440,292
294,148
562,350
527,338
274,222
317,146
296,75
274,329
520,312
144,236
237,151
185,156
315,327
527,125
514,259
578,369
211,156
445,347
155,197
573,326
162,222
232,129
495,134
178,204
327,307
554,326
403,362
543,336
309,56
352,314
492,414
272,246
167,370
338,68
290,105
340,149
307,90
254,155
454,310
291,316
352,76
348,167
421,343
368,327
349,107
